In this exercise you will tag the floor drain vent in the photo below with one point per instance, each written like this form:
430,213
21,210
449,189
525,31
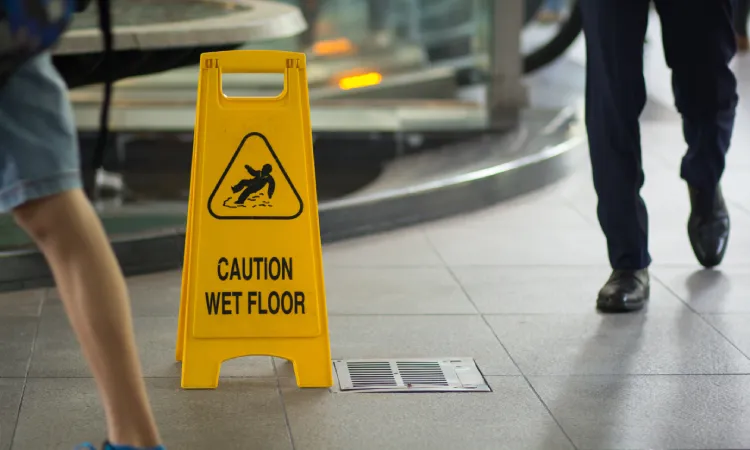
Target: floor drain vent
410,375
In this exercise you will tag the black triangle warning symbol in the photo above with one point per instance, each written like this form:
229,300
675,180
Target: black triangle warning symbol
255,186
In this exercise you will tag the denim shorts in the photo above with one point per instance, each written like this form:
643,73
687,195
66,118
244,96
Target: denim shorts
38,140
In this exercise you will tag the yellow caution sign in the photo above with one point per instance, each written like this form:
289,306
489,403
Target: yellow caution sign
252,281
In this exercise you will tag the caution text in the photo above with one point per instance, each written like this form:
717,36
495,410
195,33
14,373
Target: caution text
255,268
227,303
235,302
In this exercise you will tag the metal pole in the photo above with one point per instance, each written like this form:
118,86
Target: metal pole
506,94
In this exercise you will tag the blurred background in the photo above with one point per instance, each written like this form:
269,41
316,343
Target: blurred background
407,96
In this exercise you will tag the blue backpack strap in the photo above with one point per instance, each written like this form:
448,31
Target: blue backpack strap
36,25
27,28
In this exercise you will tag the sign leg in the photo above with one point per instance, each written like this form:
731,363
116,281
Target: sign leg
181,328
199,371
312,365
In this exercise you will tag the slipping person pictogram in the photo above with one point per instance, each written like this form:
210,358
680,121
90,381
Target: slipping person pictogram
254,185
250,188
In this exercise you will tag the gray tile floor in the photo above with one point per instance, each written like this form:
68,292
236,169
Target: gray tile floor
502,285
512,286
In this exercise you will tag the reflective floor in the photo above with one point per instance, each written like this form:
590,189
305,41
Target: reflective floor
512,286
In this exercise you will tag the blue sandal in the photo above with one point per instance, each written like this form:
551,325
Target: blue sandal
108,446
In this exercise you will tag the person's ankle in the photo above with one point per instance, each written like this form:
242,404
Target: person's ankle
110,446
135,435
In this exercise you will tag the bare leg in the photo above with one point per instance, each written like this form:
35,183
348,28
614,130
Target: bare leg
69,233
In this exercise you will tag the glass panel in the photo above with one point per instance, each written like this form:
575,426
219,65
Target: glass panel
361,52
357,44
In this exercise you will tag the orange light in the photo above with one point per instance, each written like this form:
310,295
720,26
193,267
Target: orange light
360,81
333,47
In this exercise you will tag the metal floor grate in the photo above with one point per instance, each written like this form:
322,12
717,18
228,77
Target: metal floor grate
410,375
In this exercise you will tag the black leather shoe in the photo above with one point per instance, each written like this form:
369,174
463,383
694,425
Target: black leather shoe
708,227
625,291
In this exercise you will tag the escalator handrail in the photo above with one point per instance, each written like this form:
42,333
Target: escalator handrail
531,8
557,46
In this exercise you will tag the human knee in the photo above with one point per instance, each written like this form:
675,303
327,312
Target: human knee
705,92
32,218
43,218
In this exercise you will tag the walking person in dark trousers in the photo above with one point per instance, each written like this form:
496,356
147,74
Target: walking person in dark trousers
699,43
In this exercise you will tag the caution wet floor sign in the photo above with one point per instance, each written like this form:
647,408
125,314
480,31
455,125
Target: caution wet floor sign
252,282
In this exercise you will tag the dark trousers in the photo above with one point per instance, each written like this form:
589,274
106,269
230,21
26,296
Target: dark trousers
699,43
741,16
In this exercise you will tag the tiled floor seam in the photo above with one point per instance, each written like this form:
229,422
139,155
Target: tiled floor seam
701,316
580,213
408,314
739,206
527,266
18,415
28,369
636,375
526,379
283,406
166,377
531,386
439,255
